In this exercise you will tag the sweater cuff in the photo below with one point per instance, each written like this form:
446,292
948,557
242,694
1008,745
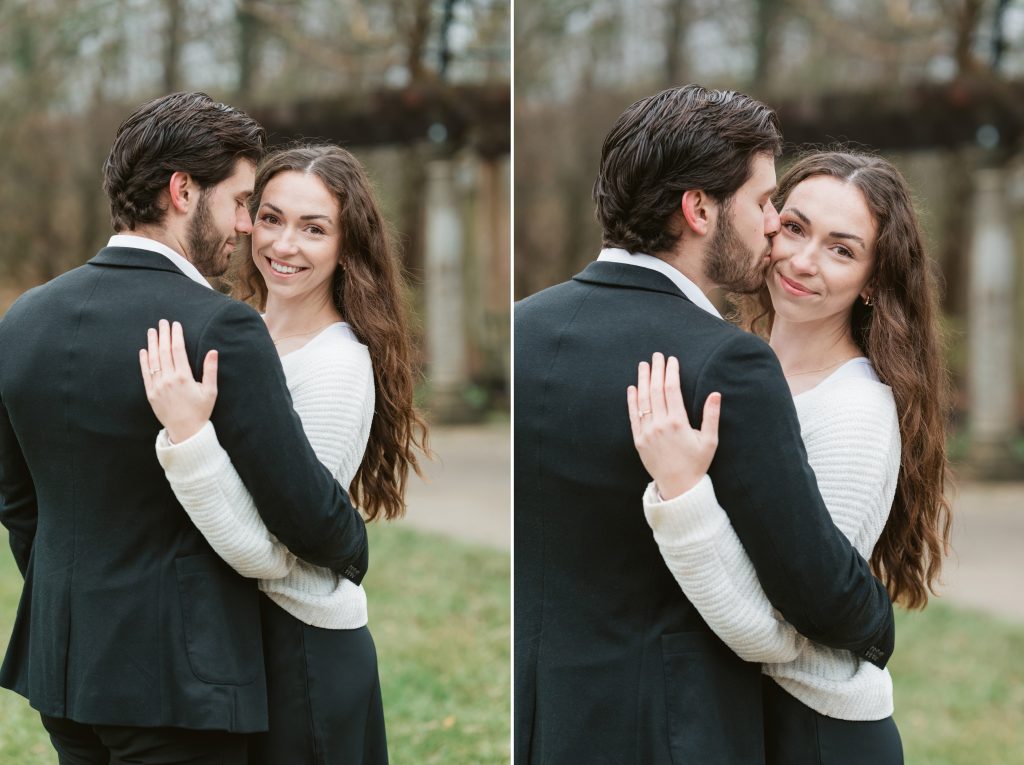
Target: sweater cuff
694,516
194,458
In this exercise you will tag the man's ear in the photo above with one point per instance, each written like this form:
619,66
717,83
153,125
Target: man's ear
696,207
182,191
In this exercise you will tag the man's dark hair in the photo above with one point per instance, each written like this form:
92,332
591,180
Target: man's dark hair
661,146
186,132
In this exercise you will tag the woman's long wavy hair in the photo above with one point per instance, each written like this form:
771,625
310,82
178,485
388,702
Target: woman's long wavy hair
899,333
368,292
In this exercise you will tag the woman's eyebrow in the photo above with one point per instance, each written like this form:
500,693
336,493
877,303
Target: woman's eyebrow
833,234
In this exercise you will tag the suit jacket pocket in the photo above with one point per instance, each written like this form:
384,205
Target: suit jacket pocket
220,613
713,702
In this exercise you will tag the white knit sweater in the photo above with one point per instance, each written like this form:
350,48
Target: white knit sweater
851,432
331,383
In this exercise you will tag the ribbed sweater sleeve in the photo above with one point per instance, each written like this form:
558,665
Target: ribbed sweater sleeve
332,392
207,486
851,433
706,557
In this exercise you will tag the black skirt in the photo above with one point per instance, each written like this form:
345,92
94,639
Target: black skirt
795,734
323,692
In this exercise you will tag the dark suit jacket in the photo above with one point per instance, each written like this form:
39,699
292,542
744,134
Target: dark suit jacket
127,616
613,664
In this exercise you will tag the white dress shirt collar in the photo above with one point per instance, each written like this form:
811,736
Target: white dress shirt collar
145,243
687,287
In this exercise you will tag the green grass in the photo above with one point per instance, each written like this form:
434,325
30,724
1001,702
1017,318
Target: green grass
959,687
439,613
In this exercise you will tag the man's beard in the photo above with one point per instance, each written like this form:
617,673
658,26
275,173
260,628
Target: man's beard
205,244
729,263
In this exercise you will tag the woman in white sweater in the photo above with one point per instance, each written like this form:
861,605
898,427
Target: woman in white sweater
323,270
849,308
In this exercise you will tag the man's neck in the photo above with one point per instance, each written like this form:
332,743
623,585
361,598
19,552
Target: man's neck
162,235
690,265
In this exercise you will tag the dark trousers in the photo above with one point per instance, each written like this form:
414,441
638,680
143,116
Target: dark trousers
324,695
795,734
79,744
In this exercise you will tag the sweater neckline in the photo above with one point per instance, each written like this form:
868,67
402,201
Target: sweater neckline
314,339
847,369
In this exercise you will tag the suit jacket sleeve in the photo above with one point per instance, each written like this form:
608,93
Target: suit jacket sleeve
298,499
808,569
18,507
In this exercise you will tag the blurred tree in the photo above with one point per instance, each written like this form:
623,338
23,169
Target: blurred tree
413,22
249,36
678,12
766,42
172,45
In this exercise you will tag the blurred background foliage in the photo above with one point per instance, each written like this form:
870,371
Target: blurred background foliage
410,86
937,86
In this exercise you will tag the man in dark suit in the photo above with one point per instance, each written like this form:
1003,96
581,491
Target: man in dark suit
134,641
612,663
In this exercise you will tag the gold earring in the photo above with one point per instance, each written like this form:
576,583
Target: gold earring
868,301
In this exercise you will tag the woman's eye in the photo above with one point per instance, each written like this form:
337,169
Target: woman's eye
844,252
791,227
268,218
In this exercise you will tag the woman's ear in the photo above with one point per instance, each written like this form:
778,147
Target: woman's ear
867,294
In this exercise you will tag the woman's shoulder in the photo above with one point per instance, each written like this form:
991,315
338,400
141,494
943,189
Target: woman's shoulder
333,360
852,402
851,430
339,341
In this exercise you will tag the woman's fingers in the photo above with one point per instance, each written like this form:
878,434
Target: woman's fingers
673,392
634,418
147,377
709,426
657,406
210,373
164,346
178,354
643,390
153,355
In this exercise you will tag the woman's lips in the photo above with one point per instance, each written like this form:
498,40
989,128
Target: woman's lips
794,288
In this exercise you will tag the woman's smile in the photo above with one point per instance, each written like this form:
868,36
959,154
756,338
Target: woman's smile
283,269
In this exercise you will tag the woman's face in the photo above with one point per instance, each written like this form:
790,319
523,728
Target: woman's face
296,237
823,256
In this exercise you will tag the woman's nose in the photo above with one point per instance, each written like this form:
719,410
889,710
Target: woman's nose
805,259
284,243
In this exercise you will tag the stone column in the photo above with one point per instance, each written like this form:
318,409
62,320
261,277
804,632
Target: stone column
493,270
446,346
990,330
